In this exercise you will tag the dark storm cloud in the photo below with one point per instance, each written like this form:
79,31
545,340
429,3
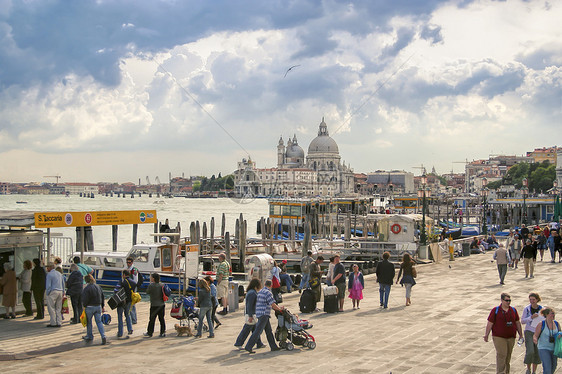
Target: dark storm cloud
42,40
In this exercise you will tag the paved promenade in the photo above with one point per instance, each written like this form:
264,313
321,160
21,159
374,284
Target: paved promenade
441,332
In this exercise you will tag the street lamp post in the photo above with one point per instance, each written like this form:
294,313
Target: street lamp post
422,192
484,206
555,195
525,191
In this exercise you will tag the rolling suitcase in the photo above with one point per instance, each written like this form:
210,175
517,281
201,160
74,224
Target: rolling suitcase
307,303
331,303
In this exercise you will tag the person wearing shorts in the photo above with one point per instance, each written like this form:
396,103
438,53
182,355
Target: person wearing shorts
223,272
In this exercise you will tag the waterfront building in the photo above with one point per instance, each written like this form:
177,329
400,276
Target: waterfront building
81,188
319,173
559,167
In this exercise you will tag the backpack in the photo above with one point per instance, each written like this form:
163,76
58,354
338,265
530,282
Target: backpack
543,324
166,292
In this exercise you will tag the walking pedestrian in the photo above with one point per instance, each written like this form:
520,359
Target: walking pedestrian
529,254
214,301
54,290
356,284
94,304
502,258
250,318
264,304
385,276
223,272
124,309
25,285
408,273
516,254
544,338
205,308
503,322
305,270
38,279
9,285
137,279
551,246
74,288
531,318
157,306
541,243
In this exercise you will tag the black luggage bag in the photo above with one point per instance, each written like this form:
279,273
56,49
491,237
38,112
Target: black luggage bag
307,303
331,303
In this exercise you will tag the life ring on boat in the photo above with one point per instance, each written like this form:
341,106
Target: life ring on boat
396,228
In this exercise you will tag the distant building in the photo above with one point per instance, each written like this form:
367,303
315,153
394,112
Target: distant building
495,167
559,167
544,154
81,188
320,173
4,188
394,181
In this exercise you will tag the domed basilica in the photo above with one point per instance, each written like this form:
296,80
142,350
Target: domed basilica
320,173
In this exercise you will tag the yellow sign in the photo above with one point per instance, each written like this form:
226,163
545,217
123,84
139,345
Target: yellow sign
79,219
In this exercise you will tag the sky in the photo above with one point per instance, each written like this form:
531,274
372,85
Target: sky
116,91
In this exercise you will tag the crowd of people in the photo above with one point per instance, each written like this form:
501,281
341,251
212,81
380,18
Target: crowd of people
527,244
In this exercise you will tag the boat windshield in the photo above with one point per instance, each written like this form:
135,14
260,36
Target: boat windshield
140,254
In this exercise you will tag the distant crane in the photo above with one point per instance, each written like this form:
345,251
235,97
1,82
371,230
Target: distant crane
57,177
147,181
157,180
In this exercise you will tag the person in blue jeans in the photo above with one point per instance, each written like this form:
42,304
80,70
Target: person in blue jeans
125,309
285,277
205,308
385,276
305,270
94,303
264,303
545,335
250,314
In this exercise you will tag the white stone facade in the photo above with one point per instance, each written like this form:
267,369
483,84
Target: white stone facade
320,173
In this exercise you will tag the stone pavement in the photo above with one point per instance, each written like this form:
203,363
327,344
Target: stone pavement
441,332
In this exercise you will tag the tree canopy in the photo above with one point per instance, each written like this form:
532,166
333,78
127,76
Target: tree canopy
539,176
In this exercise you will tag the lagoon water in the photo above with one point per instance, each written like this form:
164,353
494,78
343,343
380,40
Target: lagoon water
177,209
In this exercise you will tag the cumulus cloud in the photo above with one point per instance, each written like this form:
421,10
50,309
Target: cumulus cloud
96,77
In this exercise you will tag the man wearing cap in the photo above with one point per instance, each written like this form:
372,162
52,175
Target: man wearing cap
286,278
54,289
223,272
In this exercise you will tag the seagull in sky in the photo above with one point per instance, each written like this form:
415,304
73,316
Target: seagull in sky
289,69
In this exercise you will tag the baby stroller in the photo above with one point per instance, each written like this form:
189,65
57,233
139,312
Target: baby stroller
183,309
291,331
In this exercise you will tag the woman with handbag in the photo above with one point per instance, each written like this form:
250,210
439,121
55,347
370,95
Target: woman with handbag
408,273
545,337
250,319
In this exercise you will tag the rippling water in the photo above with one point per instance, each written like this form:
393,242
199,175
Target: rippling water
180,210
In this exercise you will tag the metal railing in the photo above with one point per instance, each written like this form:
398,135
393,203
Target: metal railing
61,246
